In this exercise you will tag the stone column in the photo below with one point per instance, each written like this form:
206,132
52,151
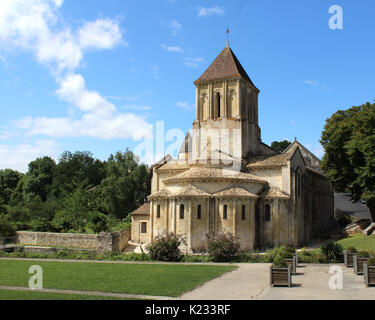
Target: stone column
239,99
225,99
234,211
252,223
197,105
210,101
275,222
151,220
217,214
190,226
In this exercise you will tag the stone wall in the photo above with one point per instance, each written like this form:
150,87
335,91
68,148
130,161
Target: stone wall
102,242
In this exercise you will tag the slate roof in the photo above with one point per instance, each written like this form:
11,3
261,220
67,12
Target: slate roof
225,66
187,144
159,194
142,210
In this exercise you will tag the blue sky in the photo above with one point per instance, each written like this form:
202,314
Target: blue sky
96,75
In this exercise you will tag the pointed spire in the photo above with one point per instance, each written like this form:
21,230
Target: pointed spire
227,32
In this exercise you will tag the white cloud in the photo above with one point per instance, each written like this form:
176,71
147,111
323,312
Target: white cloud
36,26
315,83
18,157
175,27
194,62
185,105
100,34
172,48
100,117
205,12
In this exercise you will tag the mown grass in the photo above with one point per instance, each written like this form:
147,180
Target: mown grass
359,241
145,279
33,295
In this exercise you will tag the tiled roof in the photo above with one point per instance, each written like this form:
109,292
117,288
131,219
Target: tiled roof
266,161
225,66
274,193
198,173
142,210
235,192
192,191
159,194
174,165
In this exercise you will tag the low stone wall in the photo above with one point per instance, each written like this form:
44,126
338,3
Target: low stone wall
120,240
102,242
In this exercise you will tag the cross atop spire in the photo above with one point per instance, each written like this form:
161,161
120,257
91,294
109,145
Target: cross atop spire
227,32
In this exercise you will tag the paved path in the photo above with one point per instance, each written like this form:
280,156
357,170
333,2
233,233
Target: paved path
311,283
247,282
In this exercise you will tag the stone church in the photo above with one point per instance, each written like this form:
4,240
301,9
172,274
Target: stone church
226,180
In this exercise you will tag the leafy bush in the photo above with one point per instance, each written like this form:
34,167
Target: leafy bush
166,248
351,250
222,247
7,227
62,222
371,262
279,262
41,224
343,219
363,254
332,251
98,222
283,252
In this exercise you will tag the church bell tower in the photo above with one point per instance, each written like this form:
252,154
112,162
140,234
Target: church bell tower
227,102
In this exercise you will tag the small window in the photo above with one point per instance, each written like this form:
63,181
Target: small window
199,212
158,212
143,227
225,213
243,212
218,104
182,211
267,212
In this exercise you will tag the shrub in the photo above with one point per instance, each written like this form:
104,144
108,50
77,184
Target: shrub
41,224
98,222
351,250
166,248
7,227
363,254
62,222
371,262
343,219
283,252
332,251
279,262
222,247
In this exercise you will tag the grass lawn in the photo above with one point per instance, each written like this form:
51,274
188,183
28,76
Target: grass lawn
359,241
32,295
146,279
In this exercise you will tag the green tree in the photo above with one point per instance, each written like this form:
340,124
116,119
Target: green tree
125,187
280,146
75,168
9,180
348,139
39,178
77,205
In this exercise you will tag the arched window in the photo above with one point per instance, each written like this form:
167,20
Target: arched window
225,213
267,212
182,211
218,104
243,212
199,212
299,183
158,211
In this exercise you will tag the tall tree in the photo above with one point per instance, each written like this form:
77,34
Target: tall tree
125,187
9,180
280,146
348,139
38,180
77,167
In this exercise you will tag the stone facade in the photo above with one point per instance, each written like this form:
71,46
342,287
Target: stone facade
102,242
242,186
